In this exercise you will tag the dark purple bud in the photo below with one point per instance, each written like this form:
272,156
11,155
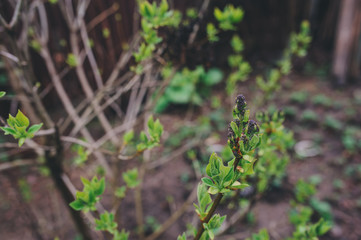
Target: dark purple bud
252,127
241,103
231,135
244,139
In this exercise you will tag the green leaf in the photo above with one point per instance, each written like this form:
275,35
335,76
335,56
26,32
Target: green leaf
218,14
123,235
100,187
238,185
2,93
213,76
246,115
213,190
8,130
21,141
237,44
150,122
85,182
234,128
130,177
248,158
163,7
182,237
106,223
120,192
213,165
161,104
323,227
21,130
36,127
92,197
262,235
22,119
141,147
180,94
77,205
128,137
72,60
203,200
12,121
158,127
252,144
207,181
228,178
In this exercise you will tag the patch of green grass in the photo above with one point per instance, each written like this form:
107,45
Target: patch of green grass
299,97
332,123
309,116
321,100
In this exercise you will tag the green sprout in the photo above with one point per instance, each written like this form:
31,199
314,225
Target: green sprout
228,17
18,127
86,199
155,130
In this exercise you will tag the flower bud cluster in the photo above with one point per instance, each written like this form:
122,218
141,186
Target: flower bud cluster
243,134
240,108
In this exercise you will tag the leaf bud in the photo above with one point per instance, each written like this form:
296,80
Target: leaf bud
241,103
252,127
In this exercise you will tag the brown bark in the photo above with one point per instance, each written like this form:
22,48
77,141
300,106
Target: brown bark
343,46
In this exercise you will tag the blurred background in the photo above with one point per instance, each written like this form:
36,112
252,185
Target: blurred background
320,98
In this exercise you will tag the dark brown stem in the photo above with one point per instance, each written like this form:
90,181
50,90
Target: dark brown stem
138,203
235,164
209,215
54,163
214,205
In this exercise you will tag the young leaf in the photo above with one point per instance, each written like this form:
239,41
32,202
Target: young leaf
2,93
99,187
120,192
150,122
77,205
22,119
208,182
130,177
123,235
182,237
8,130
238,185
36,127
128,137
213,76
21,141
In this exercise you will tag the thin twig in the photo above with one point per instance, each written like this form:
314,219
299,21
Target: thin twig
68,105
201,13
14,17
85,83
10,56
174,154
17,163
102,16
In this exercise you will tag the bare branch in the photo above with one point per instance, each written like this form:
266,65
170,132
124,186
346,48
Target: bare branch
10,56
14,17
67,103
17,163
102,16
